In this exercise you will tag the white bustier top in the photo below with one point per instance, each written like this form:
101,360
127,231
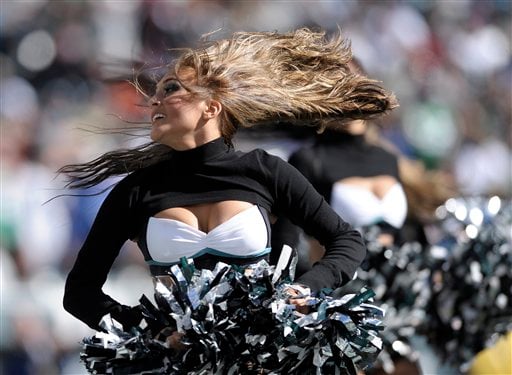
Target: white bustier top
361,207
242,236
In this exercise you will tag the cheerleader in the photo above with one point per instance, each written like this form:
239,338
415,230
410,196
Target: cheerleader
190,193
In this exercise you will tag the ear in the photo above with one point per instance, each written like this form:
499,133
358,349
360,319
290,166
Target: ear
213,109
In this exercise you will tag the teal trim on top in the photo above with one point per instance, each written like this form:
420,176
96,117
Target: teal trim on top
208,250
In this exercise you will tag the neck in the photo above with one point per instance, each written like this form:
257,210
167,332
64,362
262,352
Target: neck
189,159
198,138
187,143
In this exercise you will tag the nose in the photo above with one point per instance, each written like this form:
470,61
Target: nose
154,101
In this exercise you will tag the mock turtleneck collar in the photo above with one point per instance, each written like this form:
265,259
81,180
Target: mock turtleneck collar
200,154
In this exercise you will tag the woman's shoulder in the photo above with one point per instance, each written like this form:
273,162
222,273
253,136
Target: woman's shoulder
255,154
383,152
260,160
140,176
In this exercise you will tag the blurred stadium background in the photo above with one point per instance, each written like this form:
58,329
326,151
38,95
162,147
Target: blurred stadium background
449,63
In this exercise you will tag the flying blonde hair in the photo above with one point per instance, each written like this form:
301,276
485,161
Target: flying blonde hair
299,77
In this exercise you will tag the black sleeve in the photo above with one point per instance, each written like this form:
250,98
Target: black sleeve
83,295
298,200
284,232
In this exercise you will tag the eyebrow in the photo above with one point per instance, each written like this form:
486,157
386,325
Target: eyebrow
164,81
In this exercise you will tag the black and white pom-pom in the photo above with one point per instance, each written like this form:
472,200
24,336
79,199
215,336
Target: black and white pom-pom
471,303
238,320
455,291
400,278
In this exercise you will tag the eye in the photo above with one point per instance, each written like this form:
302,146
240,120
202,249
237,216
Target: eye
170,87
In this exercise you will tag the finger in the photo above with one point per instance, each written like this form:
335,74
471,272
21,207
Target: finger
174,341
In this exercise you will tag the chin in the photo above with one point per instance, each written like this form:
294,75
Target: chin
155,136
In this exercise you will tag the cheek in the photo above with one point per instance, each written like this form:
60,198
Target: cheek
174,101
181,108
190,112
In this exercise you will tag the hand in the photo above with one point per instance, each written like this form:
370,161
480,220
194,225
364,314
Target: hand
172,338
174,341
300,300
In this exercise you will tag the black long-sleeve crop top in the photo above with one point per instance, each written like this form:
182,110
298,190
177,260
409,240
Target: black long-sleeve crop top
336,155
210,173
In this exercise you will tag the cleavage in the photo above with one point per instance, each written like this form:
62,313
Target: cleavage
379,186
207,216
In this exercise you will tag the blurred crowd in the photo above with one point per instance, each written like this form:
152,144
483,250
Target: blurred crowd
449,63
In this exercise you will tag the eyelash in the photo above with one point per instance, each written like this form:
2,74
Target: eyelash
171,87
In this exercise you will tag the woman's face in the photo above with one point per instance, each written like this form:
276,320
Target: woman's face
176,115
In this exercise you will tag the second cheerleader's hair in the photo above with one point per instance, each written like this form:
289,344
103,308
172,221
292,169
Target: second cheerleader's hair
300,77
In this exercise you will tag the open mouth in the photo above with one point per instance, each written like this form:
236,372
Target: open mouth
157,116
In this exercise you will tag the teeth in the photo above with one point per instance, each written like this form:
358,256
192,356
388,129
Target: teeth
157,116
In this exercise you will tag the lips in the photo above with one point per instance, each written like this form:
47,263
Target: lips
157,116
